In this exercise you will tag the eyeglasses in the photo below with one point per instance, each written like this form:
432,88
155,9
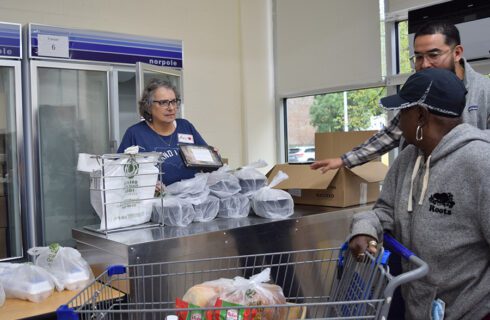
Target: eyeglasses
431,56
168,103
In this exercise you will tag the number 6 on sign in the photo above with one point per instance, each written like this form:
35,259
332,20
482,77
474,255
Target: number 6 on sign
53,46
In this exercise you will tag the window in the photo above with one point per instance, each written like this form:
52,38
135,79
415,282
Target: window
404,65
354,110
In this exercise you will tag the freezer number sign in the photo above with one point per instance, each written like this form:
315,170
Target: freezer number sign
53,46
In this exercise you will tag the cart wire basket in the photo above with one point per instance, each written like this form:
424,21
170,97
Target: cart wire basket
318,284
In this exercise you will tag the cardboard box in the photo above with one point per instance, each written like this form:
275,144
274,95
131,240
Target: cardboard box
335,144
337,188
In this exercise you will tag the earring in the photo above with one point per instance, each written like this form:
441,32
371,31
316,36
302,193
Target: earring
419,134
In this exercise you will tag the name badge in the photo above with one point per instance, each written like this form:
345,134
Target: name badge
186,138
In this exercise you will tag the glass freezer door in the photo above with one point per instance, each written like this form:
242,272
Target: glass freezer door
10,155
145,72
72,106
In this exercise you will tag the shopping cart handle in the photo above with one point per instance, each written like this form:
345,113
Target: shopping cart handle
417,273
396,246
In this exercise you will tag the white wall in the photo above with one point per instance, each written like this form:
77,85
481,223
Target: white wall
324,45
226,52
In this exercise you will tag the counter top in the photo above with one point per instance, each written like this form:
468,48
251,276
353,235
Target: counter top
151,233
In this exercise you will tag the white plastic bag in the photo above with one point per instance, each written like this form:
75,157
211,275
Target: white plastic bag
184,187
223,183
173,211
255,291
26,281
65,264
250,178
193,190
208,210
273,203
127,182
237,206
206,293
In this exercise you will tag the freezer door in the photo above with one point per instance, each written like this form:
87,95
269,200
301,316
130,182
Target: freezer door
72,107
10,160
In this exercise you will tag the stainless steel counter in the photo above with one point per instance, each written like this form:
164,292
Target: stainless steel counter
310,227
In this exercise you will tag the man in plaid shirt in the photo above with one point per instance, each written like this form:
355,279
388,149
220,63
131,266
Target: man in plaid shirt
436,45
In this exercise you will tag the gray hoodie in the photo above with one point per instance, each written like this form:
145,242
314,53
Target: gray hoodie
477,110
448,226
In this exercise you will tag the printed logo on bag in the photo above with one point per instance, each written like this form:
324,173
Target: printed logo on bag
53,251
441,203
131,168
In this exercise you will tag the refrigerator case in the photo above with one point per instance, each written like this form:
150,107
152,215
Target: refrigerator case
11,147
81,100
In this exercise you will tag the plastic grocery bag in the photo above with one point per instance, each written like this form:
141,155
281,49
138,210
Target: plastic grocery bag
250,178
273,203
206,293
208,210
255,291
237,206
129,185
193,190
69,270
223,183
26,281
173,211
188,186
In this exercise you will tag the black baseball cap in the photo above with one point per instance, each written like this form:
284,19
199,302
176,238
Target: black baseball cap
439,90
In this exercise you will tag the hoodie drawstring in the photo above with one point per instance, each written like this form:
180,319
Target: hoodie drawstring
425,181
414,174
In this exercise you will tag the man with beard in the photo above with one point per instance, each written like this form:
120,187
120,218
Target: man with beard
436,45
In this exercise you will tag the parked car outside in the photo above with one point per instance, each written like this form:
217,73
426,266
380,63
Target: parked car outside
301,154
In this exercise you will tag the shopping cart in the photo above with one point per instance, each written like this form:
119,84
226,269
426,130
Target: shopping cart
318,284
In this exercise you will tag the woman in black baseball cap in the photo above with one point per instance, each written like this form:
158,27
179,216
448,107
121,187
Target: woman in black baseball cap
436,200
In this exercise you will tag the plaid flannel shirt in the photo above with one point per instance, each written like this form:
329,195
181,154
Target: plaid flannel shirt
383,141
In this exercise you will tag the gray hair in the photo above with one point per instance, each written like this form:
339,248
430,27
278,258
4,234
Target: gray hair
144,105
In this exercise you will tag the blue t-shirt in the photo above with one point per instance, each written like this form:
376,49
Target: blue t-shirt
148,140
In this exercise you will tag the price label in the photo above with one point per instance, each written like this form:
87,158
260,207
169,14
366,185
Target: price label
52,46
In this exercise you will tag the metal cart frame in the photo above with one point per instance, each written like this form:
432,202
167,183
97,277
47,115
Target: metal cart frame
318,284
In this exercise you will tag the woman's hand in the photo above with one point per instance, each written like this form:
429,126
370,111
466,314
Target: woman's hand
359,244
159,188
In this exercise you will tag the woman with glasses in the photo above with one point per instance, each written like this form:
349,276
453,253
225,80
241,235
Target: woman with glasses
161,131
